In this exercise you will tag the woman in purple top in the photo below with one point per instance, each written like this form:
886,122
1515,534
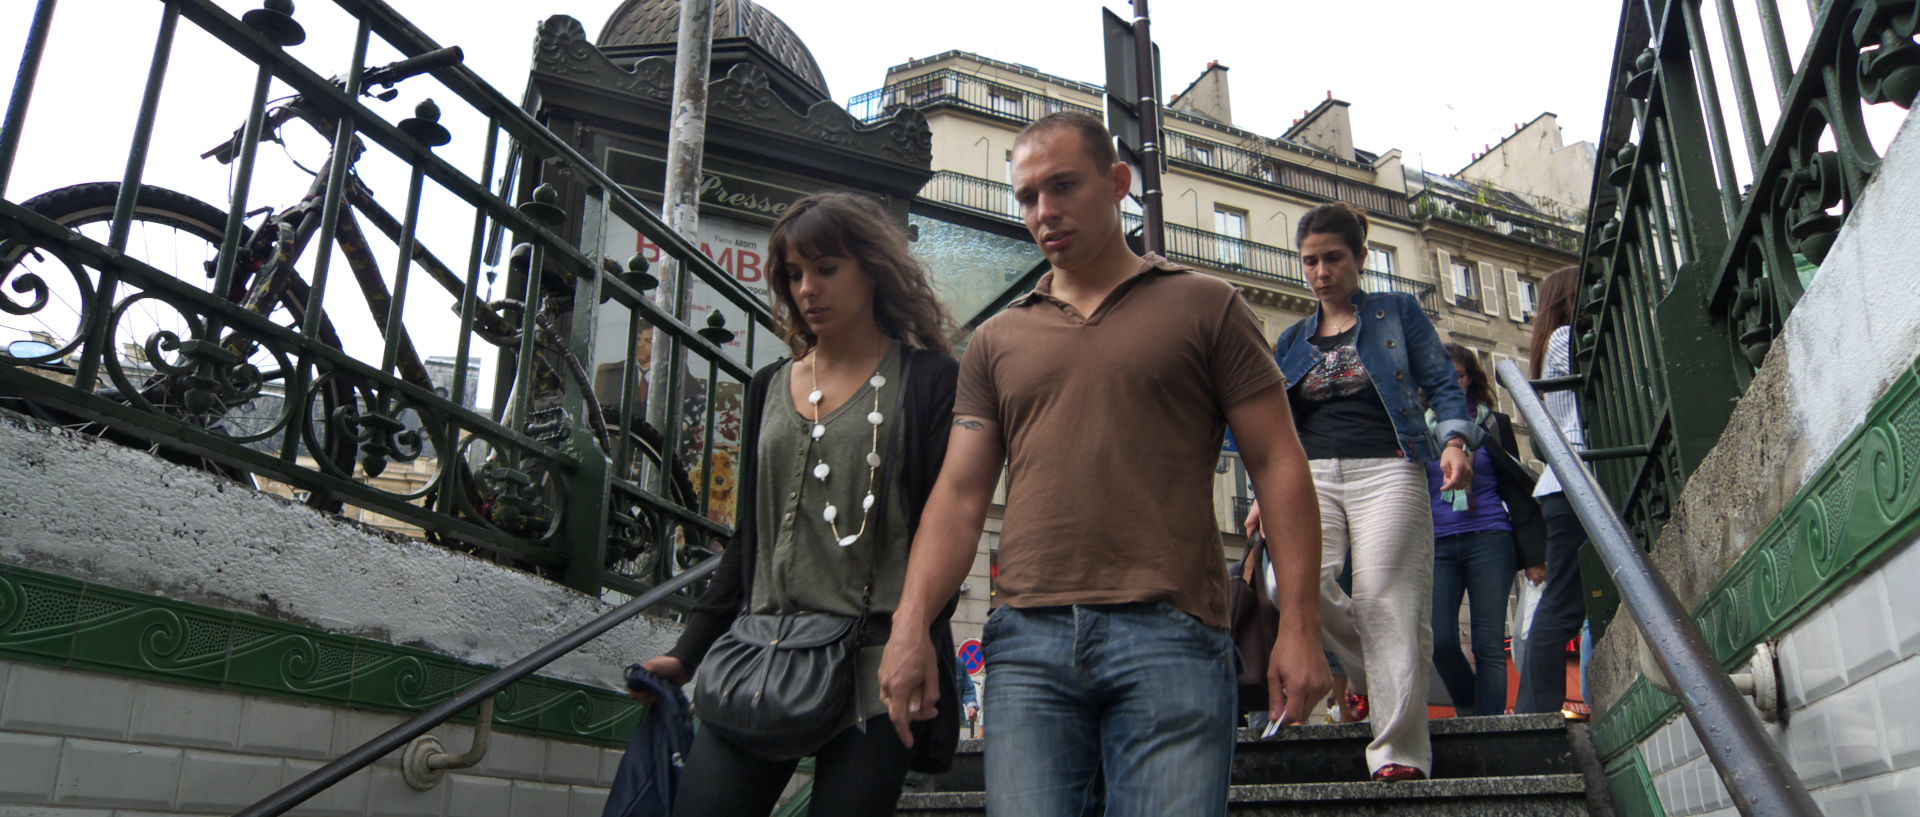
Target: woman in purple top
1483,534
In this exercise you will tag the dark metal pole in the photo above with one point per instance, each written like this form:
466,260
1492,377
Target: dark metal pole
365,754
1153,224
680,209
1757,777
37,32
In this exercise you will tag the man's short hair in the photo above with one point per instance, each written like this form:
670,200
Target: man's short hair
1093,134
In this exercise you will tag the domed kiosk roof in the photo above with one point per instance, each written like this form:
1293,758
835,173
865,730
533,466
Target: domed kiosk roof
655,22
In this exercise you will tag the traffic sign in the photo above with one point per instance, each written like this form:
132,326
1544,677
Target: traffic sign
973,657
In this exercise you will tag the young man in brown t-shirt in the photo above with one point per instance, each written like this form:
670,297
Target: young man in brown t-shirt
1106,392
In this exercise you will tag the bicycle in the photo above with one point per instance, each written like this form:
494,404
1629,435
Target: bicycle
181,236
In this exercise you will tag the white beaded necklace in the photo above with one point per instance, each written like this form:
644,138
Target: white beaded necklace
820,469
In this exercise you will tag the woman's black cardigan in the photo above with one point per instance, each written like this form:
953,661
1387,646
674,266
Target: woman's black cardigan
930,384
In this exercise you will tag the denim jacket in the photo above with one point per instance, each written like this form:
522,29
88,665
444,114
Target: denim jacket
1403,355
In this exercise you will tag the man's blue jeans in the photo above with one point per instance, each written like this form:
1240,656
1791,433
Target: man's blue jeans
1480,566
1141,695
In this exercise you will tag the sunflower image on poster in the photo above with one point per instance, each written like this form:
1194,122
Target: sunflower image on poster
726,447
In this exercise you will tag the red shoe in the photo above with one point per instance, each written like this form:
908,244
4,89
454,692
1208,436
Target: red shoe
1394,773
1356,706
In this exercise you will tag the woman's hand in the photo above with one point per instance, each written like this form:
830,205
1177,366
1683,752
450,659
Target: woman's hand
1456,467
1253,517
1537,573
665,666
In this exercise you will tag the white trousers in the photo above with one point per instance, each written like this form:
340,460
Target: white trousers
1383,633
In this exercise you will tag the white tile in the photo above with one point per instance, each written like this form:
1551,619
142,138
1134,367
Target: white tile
1713,793
1667,787
1655,751
473,796
4,667
1902,572
1895,794
1899,691
1859,749
352,729
1788,658
390,796
1690,784
573,763
225,782
1816,653
61,702
1810,747
287,730
347,798
124,775
175,716
516,756
586,801
538,799
1866,635
1689,743
609,764
1849,800
28,765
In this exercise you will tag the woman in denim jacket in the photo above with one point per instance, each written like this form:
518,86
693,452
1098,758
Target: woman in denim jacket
1355,369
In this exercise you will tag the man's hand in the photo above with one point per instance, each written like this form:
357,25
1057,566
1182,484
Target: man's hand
1456,466
909,680
1537,573
1253,517
665,666
1297,675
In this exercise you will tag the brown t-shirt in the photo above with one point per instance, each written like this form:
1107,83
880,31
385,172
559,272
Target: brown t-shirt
1112,424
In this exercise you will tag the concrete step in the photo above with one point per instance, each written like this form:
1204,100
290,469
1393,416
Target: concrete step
1474,747
1548,795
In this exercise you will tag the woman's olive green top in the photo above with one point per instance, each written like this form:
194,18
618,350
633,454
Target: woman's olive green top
806,570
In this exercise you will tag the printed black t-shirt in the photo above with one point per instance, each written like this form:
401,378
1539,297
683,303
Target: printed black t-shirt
1336,407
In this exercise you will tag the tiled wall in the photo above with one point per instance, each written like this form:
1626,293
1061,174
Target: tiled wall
1851,673
75,744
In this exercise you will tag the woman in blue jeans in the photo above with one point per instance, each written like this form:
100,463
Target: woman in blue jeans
1482,535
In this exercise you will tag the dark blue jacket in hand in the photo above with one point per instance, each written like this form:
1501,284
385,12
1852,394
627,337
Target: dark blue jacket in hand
649,774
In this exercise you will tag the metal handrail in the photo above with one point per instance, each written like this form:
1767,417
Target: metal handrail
1757,777
359,757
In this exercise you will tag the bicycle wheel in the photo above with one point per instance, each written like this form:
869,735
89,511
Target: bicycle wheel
146,362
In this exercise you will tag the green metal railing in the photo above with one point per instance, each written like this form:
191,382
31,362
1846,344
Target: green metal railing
556,477
1185,244
1694,258
965,91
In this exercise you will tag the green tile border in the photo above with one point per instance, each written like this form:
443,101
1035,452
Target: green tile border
1632,787
1862,505
65,622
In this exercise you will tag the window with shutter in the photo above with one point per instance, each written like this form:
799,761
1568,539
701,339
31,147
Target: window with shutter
1515,309
1443,270
1489,290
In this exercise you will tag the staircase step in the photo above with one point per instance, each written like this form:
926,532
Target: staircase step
1473,747
1548,795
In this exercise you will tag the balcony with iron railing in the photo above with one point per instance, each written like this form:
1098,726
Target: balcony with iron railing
1268,171
948,87
1184,244
1487,213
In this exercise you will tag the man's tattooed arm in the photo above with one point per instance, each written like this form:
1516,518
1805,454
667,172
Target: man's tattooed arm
969,423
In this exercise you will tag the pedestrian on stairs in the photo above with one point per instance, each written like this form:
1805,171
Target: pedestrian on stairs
1356,368
1562,609
1482,537
820,519
1106,392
